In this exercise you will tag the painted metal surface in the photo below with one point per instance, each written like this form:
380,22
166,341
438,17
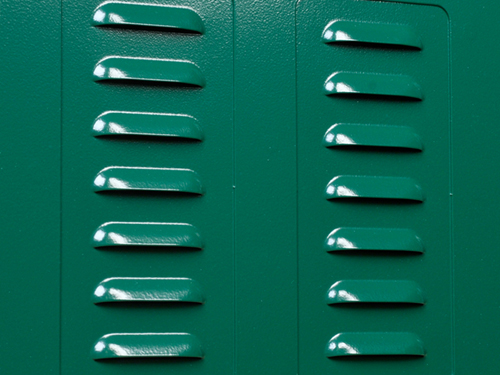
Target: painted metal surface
116,13
153,146
264,217
346,83
147,234
30,256
340,31
375,344
148,289
372,135
374,187
143,345
377,174
375,291
379,239
114,123
149,179
148,70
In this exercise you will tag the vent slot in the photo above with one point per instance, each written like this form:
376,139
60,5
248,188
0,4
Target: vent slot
373,33
373,136
148,70
149,179
405,188
147,234
375,291
143,345
377,239
137,289
147,16
114,123
399,86
375,344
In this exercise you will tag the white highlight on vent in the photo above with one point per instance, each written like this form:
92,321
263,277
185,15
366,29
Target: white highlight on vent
118,350
348,348
116,73
118,238
99,70
343,139
117,183
116,18
328,34
116,128
344,243
99,346
99,235
342,87
99,292
344,191
341,35
120,294
99,125
99,181
99,16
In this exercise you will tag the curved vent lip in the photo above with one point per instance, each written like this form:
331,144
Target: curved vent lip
118,68
375,291
340,31
384,136
377,239
375,344
144,345
119,123
149,179
148,289
376,187
116,13
372,84
147,234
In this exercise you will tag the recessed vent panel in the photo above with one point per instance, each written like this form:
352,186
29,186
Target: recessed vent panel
147,15
144,345
148,70
114,123
374,33
148,289
149,179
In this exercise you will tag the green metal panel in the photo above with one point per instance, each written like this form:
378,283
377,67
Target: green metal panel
145,207
30,138
249,187
376,187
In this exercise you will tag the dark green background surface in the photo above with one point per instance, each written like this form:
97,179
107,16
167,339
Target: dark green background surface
263,216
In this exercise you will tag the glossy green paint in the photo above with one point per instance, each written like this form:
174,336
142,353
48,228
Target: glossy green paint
380,174
169,161
354,135
148,289
348,83
339,31
114,123
375,344
116,13
264,217
376,187
30,50
144,345
147,234
378,239
149,179
148,70
375,291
